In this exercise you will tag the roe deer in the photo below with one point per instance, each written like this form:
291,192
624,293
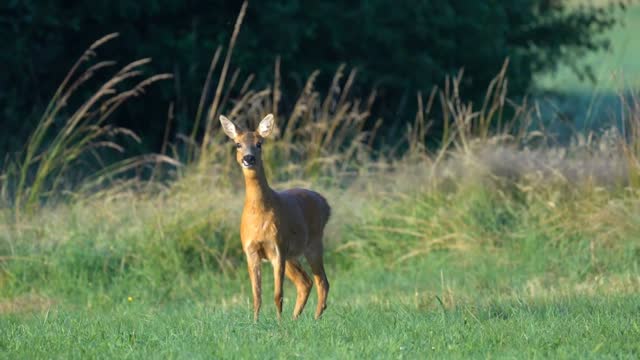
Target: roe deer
278,226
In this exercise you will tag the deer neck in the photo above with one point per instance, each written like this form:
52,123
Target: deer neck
258,192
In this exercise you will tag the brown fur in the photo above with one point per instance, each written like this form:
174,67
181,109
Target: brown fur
279,226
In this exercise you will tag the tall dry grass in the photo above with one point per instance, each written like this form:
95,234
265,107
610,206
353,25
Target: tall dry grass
64,136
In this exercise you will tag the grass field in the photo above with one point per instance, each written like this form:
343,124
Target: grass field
525,288
498,244
468,272
614,69
594,326
591,105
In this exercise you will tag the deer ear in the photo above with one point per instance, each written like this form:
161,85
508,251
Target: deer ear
229,127
266,126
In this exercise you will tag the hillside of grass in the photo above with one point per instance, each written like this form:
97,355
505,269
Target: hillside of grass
571,102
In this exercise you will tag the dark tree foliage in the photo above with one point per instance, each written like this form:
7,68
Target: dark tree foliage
399,47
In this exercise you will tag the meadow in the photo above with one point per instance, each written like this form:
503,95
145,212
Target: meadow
498,242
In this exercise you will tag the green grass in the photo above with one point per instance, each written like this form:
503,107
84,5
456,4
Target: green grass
511,276
568,327
519,301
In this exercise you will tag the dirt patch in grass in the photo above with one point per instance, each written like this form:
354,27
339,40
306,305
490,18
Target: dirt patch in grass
25,304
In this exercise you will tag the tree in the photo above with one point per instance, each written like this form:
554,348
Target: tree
399,47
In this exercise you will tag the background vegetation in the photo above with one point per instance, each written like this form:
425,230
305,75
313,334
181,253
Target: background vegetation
397,49
500,242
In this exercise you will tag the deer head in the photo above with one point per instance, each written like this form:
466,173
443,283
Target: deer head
248,143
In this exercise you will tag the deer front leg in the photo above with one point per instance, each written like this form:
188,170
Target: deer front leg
253,263
278,278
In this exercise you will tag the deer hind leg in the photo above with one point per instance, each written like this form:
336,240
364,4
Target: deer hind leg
278,276
320,277
303,283
253,263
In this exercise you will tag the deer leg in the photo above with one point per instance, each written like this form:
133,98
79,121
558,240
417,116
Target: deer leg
253,263
322,283
303,283
278,277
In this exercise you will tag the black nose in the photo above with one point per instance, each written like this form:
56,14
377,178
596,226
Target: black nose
249,159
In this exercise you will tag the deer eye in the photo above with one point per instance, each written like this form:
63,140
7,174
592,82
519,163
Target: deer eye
259,145
238,145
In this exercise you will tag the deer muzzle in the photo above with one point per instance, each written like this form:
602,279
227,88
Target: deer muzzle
248,161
